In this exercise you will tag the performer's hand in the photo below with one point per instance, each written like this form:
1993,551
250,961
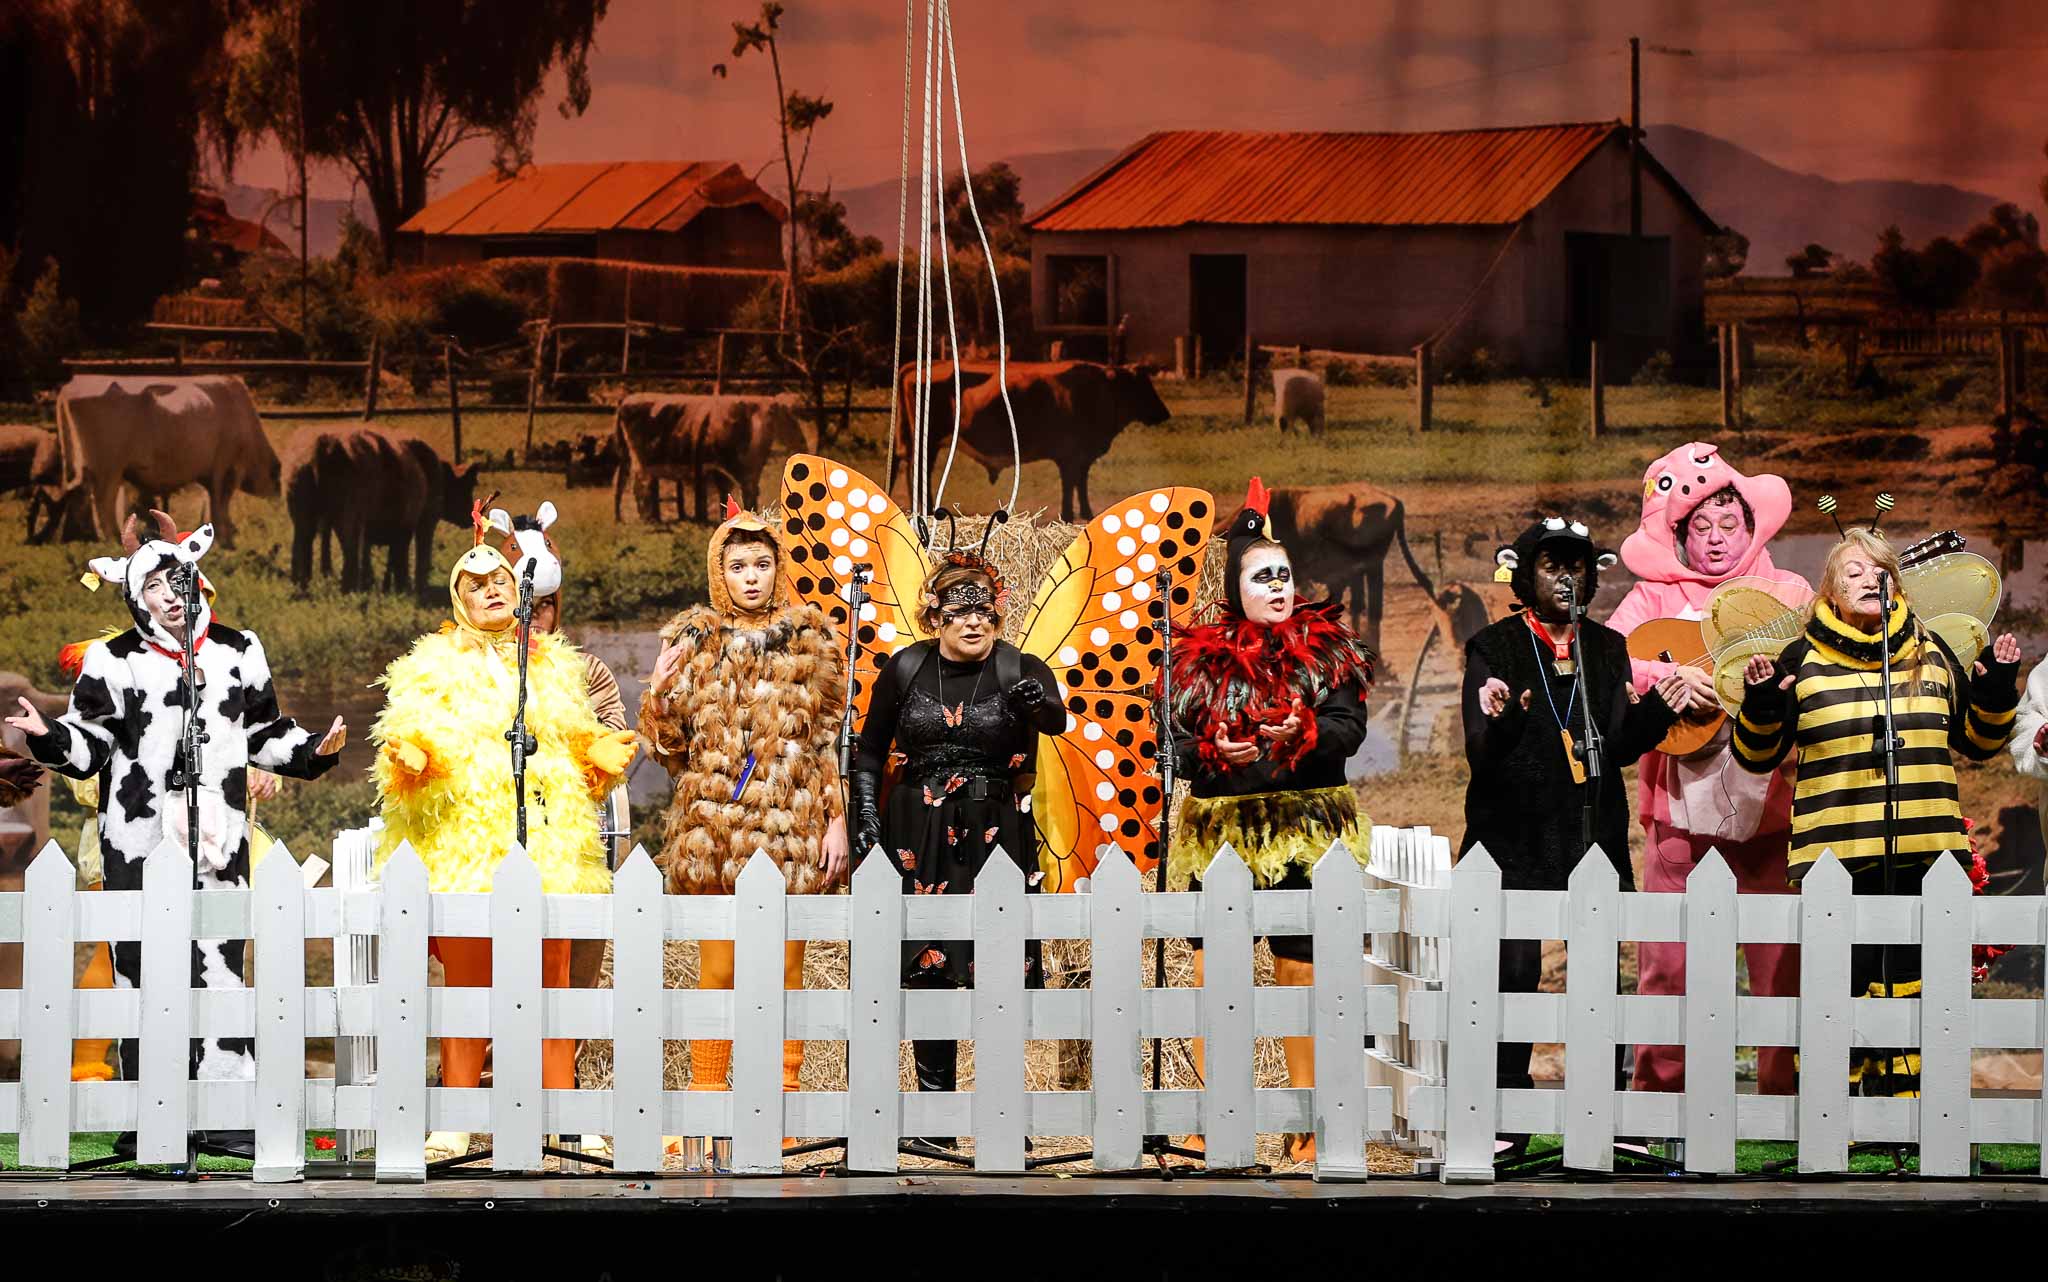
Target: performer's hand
2005,650
835,851
337,735
263,785
1025,694
612,753
1675,691
1236,753
1761,668
665,668
1286,732
407,756
1493,697
28,720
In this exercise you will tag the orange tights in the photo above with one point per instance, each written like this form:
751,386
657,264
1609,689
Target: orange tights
467,962
710,1060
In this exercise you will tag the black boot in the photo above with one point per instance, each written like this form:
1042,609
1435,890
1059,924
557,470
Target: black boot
938,1069
241,1144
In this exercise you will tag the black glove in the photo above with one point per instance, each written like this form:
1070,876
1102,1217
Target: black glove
866,787
1026,694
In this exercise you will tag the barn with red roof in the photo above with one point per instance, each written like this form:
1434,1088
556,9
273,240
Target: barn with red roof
1516,241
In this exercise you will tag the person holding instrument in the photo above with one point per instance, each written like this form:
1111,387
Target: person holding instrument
1526,699
444,781
743,712
130,721
1822,702
1705,524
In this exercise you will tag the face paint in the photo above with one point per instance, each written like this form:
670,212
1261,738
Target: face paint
1265,585
1547,576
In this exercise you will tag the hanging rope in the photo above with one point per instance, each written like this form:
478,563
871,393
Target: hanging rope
902,244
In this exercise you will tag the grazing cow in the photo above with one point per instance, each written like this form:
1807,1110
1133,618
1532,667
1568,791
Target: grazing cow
374,488
1340,535
160,434
1298,394
23,449
671,437
1458,612
1068,412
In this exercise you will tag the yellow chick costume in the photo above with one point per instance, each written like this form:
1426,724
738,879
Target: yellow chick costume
450,699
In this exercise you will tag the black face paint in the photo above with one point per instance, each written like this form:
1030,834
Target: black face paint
959,614
1272,574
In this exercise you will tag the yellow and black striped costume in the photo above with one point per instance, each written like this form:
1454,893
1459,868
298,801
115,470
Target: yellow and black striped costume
1832,715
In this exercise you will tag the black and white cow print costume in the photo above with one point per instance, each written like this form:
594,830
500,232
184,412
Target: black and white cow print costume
125,726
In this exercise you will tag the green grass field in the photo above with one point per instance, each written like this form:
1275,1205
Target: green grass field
93,1146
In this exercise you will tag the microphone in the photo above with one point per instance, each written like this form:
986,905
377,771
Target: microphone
1567,587
863,572
183,578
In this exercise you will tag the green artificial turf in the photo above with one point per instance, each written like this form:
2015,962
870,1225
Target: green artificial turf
88,1147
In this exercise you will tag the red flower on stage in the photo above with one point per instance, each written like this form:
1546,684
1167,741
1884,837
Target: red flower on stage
325,1143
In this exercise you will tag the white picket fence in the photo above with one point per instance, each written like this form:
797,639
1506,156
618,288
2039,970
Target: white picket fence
387,1022
1427,992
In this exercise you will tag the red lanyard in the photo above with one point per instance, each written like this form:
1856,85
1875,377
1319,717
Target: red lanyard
1558,649
178,656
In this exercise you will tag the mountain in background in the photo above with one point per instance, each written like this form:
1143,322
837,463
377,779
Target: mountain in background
323,233
1782,211
871,210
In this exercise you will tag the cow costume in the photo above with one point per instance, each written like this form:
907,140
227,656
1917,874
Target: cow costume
124,726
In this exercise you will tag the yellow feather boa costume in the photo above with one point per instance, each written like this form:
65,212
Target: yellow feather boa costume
453,695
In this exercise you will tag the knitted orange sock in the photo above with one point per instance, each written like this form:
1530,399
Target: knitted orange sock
792,1066
710,1062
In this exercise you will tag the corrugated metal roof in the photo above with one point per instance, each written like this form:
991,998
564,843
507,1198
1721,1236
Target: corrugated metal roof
660,195
1460,178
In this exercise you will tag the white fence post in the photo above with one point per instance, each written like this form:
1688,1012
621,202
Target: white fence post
1116,954
1471,1097
1827,927
49,1009
1338,894
874,1042
1589,1024
401,1108
1229,1113
164,1097
999,931
1710,1016
1947,922
279,928
516,1013
759,926
355,966
638,1009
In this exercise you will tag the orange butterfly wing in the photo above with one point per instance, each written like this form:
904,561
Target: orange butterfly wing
834,518
1093,624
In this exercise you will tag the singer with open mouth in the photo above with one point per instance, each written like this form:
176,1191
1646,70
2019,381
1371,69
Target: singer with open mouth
1530,681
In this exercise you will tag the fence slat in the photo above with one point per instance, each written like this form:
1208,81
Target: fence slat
1827,917
1229,1122
1590,1001
165,1073
1340,1121
280,948
516,1115
1710,1020
1472,1104
49,1013
759,926
1116,952
402,1020
874,1050
999,926
637,1008
1945,928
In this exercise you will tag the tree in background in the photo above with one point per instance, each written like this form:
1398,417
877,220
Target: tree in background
998,197
1812,261
1727,254
2007,246
390,87
834,245
1931,279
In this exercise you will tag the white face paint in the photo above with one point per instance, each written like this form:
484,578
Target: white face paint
1265,585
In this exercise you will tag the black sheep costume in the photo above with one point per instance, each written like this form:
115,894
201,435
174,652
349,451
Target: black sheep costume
1230,676
124,726
1523,802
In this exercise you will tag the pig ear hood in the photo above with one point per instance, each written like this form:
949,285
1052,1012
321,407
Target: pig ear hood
1676,484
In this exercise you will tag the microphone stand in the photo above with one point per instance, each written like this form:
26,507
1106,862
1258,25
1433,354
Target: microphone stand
194,732
1592,750
523,743
849,737
1166,738
1889,814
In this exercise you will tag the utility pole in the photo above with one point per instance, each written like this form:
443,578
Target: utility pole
1635,137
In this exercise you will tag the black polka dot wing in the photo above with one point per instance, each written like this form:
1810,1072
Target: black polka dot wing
1095,624
833,519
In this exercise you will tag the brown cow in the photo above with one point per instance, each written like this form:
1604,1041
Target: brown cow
22,448
673,437
374,488
160,434
1067,411
1340,535
1458,613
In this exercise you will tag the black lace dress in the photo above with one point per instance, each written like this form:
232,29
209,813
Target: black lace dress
967,747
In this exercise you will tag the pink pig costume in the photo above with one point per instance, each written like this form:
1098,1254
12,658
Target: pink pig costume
1706,801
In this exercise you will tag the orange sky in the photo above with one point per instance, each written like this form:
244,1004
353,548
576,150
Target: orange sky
1951,92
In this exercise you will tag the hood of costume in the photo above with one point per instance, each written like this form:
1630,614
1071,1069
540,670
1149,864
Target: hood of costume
766,688
525,543
1251,527
1515,563
714,556
168,551
1679,482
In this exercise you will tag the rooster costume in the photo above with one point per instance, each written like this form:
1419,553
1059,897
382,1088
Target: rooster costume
1689,805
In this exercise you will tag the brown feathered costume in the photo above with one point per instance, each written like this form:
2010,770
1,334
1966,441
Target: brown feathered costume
770,684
